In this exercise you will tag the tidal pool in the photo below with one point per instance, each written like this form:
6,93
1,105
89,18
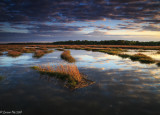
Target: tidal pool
122,87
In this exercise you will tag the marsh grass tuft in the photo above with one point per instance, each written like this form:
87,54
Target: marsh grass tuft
48,51
66,55
40,53
14,53
124,55
68,73
28,50
111,51
142,58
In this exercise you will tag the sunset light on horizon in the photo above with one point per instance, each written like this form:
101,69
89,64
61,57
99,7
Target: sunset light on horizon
62,20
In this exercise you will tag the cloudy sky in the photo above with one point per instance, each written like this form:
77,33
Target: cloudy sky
57,20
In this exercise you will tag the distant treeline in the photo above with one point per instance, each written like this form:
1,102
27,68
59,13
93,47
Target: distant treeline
86,42
109,42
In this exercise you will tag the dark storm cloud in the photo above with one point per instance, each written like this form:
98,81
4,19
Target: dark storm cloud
103,27
151,27
30,15
34,37
43,28
128,26
97,33
76,10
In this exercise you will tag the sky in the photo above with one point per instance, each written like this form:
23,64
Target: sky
62,20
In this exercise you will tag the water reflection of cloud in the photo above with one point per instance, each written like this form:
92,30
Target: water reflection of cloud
151,53
23,59
117,82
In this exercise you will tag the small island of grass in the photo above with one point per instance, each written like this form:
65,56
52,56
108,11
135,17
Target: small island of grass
142,58
40,53
124,55
70,74
66,55
14,53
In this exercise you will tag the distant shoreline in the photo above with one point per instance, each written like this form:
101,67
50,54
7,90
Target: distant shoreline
86,42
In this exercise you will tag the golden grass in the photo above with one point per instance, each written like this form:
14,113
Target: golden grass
28,50
16,50
14,53
13,47
142,58
66,55
68,73
124,55
40,53
69,69
110,49
104,47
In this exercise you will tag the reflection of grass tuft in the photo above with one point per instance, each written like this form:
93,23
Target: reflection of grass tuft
142,58
141,50
158,52
60,49
158,64
1,78
14,53
68,73
66,55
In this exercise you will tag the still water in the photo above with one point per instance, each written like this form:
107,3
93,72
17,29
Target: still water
122,87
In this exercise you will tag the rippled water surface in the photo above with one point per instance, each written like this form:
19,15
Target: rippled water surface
122,87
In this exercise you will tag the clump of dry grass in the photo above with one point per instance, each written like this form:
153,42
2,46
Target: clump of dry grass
3,49
66,55
40,53
43,48
124,55
68,73
14,53
142,58
28,50
111,51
